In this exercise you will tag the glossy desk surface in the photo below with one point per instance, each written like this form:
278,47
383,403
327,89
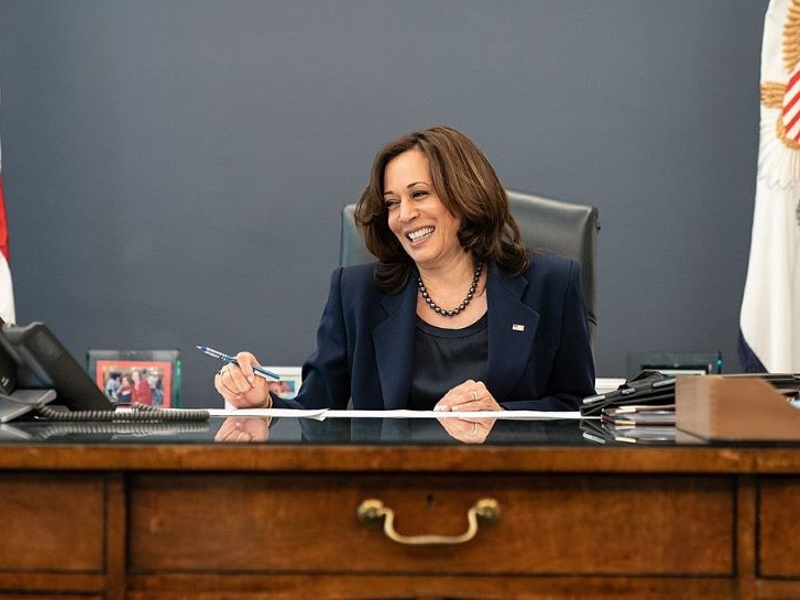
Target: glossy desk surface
373,444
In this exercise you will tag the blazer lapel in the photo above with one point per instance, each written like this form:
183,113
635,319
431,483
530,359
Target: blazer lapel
512,328
394,345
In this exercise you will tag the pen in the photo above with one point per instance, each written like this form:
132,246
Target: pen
265,373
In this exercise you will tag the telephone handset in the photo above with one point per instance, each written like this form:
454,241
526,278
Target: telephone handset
8,371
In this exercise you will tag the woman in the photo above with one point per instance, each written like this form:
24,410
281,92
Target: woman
455,316
141,393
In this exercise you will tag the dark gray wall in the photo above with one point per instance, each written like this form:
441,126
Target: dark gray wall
174,169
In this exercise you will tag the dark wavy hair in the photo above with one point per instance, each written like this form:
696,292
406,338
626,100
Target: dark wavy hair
468,187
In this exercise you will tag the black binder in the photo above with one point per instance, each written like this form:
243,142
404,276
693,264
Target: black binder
655,389
648,387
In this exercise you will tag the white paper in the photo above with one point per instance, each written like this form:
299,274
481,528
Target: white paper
430,414
267,412
603,385
323,413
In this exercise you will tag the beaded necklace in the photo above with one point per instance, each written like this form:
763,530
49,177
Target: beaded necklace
452,311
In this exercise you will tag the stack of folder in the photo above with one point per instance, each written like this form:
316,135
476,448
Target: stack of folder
649,388
632,424
643,410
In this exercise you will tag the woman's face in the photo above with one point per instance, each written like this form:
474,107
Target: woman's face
427,231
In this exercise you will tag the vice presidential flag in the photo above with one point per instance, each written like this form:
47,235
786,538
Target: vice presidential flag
769,338
6,291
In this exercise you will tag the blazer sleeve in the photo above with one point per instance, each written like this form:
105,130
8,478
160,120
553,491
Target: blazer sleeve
572,375
326,373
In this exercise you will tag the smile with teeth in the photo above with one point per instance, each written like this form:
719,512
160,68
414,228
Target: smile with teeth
419,234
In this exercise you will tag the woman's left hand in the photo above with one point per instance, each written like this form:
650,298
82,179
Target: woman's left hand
469,396
469,431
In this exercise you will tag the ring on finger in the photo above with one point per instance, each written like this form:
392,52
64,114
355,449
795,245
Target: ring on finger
474,395
474,430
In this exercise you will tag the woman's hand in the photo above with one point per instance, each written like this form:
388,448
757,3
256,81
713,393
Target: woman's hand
240,386
243,429
469,431
469,396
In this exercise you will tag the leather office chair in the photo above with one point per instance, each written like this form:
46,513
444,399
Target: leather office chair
549,225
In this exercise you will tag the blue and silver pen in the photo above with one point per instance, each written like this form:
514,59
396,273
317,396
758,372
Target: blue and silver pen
265,373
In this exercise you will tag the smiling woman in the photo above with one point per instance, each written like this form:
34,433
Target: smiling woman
456,315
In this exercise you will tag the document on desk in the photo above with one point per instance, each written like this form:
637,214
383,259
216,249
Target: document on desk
297,413
324,413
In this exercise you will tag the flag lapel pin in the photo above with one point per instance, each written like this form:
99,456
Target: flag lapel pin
517,327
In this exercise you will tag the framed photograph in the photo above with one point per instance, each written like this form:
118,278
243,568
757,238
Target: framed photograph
289,384
146,376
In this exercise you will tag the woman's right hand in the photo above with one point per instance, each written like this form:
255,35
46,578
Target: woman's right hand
240,386
243,429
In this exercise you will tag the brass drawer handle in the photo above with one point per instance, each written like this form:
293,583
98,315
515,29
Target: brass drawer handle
372,511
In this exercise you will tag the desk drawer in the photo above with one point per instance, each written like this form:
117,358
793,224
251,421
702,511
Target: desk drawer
52,523
558,524
779,527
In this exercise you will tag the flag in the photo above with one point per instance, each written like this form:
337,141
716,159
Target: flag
769,337
6,290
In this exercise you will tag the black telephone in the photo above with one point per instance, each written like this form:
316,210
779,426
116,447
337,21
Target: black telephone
38,369
40,353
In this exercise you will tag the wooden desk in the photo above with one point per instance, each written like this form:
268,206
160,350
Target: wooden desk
278,520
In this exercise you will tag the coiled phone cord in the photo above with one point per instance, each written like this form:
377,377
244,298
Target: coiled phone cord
136,413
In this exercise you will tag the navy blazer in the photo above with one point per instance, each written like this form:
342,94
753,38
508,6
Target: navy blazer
539,356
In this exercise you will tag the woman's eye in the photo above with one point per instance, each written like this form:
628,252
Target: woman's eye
419,194
390,204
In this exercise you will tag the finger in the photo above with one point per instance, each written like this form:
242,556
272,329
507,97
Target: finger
227,393
225,432
229,390
242,436
486,403
472,396
443,405
455,396
235,379
466,399
238,431
221,434
246,361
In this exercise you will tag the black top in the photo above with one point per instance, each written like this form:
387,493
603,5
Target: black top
445,358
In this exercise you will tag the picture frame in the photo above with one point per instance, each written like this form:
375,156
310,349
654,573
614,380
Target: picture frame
147,376
289,383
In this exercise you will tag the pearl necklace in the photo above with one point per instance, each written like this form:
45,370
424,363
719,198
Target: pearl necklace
453,311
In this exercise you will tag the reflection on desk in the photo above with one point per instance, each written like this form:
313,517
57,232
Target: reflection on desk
303,431
89,431
254,429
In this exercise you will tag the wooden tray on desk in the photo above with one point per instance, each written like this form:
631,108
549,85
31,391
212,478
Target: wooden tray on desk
735,409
